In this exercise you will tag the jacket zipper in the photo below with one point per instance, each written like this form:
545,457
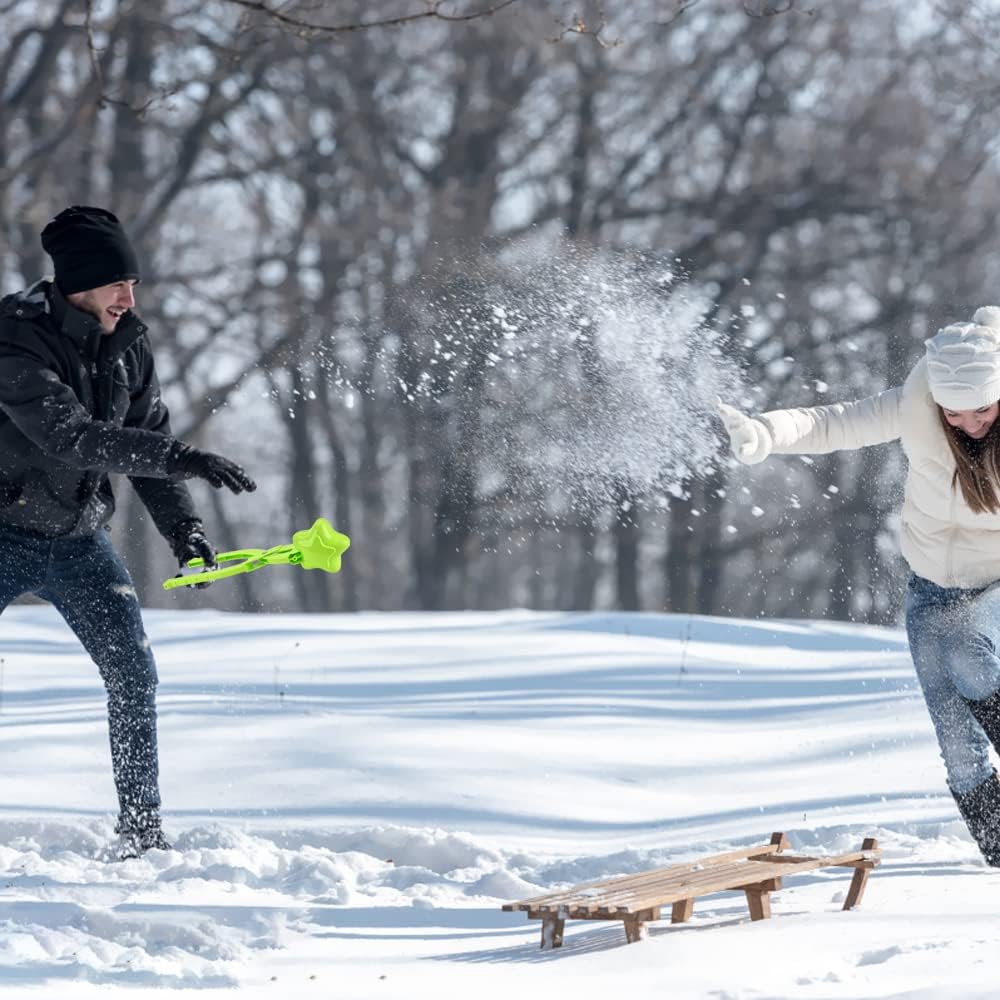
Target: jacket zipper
950,549
101,412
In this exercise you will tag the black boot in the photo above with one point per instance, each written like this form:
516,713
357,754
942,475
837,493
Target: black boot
980,809
139,831
987,714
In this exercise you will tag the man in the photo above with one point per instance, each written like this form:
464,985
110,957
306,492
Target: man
79,398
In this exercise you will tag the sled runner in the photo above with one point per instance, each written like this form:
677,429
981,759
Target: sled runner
637,899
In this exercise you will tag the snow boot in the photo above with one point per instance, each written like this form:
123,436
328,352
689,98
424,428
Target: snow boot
139,832
987,714
980,809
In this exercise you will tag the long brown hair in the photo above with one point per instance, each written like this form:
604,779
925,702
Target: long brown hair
977,465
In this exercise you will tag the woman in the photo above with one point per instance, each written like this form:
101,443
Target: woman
945,416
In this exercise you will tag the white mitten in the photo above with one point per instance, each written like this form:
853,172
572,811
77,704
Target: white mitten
749,439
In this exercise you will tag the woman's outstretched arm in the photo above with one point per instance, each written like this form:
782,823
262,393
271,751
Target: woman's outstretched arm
814,430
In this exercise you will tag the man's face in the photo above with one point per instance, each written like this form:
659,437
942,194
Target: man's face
108,303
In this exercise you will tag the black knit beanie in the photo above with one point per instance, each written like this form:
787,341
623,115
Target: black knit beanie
89,249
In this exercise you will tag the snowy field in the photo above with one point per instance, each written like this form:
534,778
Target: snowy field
352,798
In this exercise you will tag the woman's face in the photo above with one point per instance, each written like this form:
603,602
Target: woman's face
975,423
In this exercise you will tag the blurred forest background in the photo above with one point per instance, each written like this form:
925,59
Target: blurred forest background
824,173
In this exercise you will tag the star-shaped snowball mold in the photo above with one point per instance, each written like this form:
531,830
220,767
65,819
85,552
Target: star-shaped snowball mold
321,546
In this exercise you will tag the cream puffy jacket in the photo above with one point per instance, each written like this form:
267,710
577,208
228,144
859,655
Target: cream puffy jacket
942,539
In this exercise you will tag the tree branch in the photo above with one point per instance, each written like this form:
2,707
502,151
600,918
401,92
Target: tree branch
578,26
104,98
311,28
682,7
770,8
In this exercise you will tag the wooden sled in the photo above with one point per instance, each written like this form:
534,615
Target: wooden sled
637,899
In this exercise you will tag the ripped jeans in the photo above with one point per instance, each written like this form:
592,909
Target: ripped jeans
88,583
954,637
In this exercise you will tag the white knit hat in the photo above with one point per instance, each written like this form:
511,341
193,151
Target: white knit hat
963,362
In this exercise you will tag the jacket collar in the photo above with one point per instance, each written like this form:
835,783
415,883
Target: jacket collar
86,330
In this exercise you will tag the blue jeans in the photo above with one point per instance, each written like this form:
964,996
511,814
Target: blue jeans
954,637
89,585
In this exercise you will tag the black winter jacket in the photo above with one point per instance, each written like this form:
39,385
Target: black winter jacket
76,404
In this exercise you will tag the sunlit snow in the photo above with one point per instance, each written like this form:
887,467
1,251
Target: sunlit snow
352,798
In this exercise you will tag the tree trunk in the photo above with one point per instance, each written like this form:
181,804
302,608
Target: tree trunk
587,570
626,538
340,486
681,562
302,503
226,541
706,544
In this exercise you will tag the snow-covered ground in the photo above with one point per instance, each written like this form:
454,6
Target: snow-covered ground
352,798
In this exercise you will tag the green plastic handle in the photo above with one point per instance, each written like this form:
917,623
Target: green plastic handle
318,547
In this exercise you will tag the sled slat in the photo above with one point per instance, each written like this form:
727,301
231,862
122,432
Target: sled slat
637,899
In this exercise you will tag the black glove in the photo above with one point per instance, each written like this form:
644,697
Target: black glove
189,542
190,463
